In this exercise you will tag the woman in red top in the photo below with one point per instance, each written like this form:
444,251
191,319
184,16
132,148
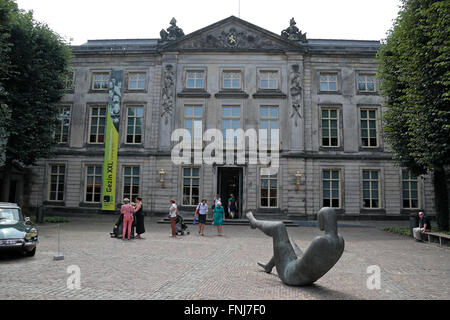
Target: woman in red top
127,210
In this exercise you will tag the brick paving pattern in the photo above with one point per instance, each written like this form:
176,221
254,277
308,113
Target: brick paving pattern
213,267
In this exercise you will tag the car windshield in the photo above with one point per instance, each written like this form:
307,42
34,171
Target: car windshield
10,214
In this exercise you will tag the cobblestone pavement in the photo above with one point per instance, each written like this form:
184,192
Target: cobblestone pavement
214,267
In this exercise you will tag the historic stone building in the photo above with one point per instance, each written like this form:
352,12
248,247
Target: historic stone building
322,95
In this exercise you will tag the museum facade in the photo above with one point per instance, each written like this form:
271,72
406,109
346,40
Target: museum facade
321,97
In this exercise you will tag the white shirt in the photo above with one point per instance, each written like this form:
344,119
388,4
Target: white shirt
203,208
173,210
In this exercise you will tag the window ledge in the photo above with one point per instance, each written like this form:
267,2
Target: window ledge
231,94
193,93
269,94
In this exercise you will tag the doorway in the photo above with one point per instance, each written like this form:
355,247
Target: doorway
230,182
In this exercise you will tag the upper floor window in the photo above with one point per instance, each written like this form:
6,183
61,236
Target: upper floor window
100,80
136,80
135,116
193,120
330,127
328,81
195,79
62,125
369,136
268,80
269,122
230,121
97,124
231,79
366,82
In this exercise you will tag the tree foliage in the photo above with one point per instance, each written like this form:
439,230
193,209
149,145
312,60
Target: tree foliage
415,80
34,63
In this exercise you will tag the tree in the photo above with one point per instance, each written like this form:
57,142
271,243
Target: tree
415,80
37,62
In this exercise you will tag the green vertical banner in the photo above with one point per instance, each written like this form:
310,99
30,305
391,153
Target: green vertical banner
112,140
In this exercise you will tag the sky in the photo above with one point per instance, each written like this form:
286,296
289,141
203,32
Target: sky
80,20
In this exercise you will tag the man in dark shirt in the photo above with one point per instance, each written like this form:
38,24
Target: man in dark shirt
424,225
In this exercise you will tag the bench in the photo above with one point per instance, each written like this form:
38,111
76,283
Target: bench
443,238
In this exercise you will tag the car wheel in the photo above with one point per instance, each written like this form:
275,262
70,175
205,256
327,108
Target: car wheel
30,253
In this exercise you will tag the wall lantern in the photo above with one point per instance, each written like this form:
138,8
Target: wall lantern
162,173
298,176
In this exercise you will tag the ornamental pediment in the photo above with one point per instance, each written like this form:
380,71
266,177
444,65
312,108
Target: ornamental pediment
233,34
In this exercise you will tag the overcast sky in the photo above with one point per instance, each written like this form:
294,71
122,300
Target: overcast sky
130,19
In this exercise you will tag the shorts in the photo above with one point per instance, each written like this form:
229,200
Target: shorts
202,218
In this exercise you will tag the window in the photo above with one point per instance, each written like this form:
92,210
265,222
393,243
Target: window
135,116
366,82
328,82
97,124
269,121
369,128
330,127
371,189
195,79
193,117
56,182
331,188
136,80
70,81
191,186
269,191
130,180
100,80
62,125
410,186
93,183
231,79
230,121
268,80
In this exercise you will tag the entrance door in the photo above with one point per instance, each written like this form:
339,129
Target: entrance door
230,182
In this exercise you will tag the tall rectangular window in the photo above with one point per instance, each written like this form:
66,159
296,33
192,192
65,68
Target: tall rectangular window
371,189
269,122
62,125
269,191
193,118
231,79
195,79
191,186
136,80
268,80
328,82
231,116
100,81
97,124
131,179
410,186
366,82
93,183
330,127
369,127
135,117
331,188
56,182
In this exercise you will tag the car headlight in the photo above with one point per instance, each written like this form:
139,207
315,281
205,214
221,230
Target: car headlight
31,234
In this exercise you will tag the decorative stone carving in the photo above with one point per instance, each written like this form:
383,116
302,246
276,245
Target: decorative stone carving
293,266
232,38
293,33
172,33
295,81
168,92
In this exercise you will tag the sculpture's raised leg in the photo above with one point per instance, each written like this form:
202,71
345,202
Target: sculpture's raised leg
269,266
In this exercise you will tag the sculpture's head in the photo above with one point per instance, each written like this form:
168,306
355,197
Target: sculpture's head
327,220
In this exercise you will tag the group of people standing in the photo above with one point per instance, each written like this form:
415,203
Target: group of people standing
133,213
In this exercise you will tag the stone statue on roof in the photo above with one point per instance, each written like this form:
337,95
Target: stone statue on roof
173,32
293,33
